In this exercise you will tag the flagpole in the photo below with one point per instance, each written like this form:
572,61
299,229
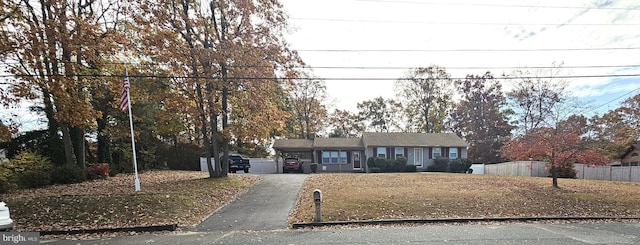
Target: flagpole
133,141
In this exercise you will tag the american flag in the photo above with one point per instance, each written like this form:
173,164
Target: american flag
124,99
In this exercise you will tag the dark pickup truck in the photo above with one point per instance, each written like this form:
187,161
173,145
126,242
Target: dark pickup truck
237,163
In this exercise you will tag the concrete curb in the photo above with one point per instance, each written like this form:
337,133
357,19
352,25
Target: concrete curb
455,220
170,227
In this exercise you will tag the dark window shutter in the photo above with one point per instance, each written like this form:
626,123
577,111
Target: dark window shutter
445,152
430,152
319,156
375,152
348,156
406,153
389,153
459,152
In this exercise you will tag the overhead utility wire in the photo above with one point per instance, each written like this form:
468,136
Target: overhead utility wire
413,50
326,78
611,101
468,50
378,67
473,67
499,5
465,23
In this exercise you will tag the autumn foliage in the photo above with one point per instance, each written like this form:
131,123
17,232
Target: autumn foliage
560,147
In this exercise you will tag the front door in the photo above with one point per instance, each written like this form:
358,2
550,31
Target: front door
356,161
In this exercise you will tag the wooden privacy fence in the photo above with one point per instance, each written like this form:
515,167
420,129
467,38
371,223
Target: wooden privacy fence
538,169
520,168
613,173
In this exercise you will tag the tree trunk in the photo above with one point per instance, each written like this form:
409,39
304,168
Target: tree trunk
225,123
70,158
103,154
205,135
554,175
77,134
214,147
53,138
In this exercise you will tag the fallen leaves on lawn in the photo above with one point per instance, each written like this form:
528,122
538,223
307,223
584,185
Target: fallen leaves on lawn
351,197
166,197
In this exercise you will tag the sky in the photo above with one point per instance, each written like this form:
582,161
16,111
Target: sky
490,35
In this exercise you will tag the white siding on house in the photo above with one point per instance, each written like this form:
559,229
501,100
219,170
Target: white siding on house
463,154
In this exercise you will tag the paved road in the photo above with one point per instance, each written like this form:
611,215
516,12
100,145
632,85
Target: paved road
499,234
264,207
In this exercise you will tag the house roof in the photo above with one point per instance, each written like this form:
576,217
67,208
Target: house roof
292,144
372,139
338,143
413,139
630,149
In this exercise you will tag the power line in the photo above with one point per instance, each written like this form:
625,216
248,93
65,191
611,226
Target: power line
328,78
375,67
500,5
468,50
611,101
248,49
464,23
473,67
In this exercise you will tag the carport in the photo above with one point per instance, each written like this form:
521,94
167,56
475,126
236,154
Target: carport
301,148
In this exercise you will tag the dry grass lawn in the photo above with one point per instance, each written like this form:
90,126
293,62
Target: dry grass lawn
351,197
166,197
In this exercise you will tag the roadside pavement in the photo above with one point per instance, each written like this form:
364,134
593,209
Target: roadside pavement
498,234
265,206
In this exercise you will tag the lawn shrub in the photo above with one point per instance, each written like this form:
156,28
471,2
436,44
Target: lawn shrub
375,170
459,165
450,165
400,164
390,166
25,170
27,161
98,171
5,177
113,171
371,162
67,174
34,179
410,168
440,165
380,162
180,157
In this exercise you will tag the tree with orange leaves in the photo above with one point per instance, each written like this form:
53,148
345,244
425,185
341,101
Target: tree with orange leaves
561,147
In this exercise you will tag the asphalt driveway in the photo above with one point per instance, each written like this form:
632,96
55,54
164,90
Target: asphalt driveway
265,206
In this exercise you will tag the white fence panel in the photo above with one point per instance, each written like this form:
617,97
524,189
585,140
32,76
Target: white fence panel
538,169
597,173
262,165
203,164
620,173
635,174
258,165
521,168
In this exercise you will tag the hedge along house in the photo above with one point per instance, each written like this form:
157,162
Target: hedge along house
351,154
